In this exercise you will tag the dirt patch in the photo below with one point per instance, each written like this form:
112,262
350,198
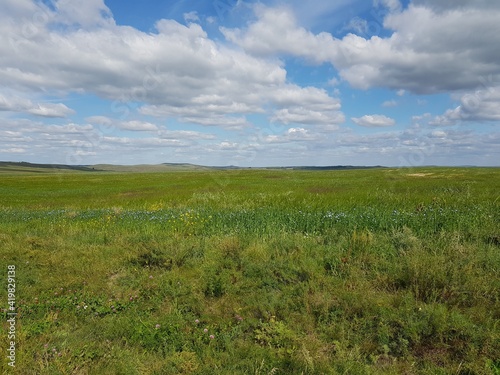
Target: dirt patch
114,279
419,174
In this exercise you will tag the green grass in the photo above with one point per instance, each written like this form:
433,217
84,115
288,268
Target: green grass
380,271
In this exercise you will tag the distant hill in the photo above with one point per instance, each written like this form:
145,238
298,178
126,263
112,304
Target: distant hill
13,167
165,167
328,168
7,166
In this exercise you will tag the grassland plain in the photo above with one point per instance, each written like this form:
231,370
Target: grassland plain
380,271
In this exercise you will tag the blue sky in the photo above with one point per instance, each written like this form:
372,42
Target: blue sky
250,83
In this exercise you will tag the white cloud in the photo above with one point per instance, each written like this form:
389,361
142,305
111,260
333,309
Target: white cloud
276,32
427,52
373,121
84,144
226,145
301,115
292,136
14,150
138,126
439,134
88,13
191,16
131,125
307,106
184,134
334,81
316,14
389,103
100,120
22,105
478,106
177,71
357,25
391,5
106,125
445,5
450,117
292,103
416,119
50,110
206,114
177,74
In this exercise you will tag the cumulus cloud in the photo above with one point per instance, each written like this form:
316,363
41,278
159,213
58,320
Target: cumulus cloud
88,13
445,5
73,143
107,125
478,106
298,105
303,115
22,105
100,120
292,135
176,71
177,74
138,126
373,121
427,51
276,32
85,144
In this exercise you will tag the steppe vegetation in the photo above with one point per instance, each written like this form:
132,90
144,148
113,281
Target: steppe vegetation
380,271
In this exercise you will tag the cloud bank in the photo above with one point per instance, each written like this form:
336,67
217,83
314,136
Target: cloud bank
179,91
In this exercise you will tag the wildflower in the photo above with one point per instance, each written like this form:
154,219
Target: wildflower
150,276
157,326
212,337
197,321
205,330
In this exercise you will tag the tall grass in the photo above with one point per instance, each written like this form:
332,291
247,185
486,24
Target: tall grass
255,272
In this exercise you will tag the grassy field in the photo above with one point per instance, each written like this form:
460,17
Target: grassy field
380,271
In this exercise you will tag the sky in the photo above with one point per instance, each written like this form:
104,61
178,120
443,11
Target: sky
250,83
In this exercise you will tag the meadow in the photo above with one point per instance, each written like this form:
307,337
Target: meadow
253,271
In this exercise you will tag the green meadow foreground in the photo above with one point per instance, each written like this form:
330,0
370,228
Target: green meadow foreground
380,271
